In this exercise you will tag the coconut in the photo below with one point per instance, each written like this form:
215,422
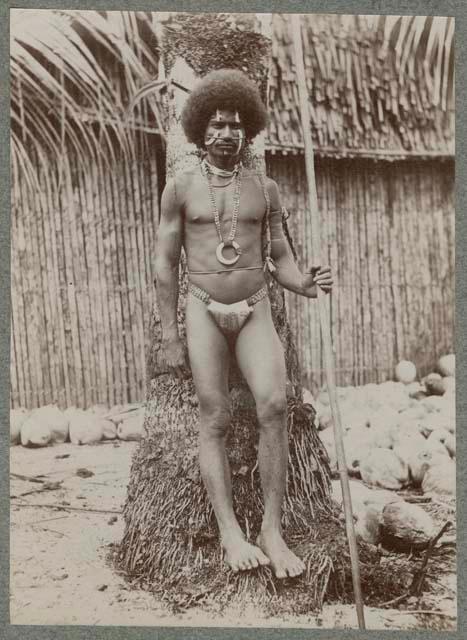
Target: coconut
420,460
435,403
444,439
131,428
86,427
413,388
447,365
434,384
417,411
440,478
17,418
367,507
407,429
383,468
406,526
56,420
109,429
357,445
35,432
405,372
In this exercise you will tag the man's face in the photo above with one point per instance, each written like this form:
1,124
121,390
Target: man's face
225,134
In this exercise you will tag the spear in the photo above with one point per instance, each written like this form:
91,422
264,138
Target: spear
324,320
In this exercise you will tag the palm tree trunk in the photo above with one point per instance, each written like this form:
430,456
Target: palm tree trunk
171,538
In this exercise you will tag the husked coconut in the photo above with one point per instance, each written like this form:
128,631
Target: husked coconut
109,429
413,388
368,525
407,429
406,526
35,432
131,428
416,412
367,507
357,445
327,438
56,420
383,468
85,427
434,384
406,372
357,416
440,478
420,460
445,439
17,419
381,430
435,403
447,365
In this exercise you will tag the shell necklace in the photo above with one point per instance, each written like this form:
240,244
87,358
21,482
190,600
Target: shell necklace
235,174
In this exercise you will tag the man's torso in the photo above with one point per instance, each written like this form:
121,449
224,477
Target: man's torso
200,237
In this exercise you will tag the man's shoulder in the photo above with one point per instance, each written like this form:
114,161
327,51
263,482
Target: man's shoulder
183,179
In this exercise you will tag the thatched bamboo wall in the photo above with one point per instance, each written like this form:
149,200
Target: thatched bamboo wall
388,233
82,273
81,265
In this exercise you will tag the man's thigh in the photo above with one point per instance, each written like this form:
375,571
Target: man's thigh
209,355
260,355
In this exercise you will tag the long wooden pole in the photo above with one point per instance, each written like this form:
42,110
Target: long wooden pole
324,320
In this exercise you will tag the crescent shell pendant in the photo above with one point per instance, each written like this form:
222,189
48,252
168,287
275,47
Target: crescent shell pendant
226,261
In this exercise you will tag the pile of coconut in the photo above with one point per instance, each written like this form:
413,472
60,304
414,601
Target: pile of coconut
48,425
397,434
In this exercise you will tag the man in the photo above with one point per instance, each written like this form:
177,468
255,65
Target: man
216,212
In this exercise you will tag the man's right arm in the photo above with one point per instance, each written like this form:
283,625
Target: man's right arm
168,249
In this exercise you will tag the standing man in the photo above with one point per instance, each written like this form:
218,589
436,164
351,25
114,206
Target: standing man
216,212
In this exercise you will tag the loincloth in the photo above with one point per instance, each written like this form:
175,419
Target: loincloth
230,318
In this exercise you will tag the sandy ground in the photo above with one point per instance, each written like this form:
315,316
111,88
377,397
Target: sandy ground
58,568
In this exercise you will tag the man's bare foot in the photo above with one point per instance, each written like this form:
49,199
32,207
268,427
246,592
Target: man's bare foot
284,562
240,555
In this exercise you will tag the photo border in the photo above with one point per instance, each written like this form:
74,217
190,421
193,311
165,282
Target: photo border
455,8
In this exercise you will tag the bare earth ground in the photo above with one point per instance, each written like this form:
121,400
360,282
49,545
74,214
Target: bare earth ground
58,568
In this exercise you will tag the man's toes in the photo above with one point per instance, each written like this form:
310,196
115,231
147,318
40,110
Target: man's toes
263,560
281,573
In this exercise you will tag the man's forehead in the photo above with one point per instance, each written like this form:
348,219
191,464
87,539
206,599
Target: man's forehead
225,115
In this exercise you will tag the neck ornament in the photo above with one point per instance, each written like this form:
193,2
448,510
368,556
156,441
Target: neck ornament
236,175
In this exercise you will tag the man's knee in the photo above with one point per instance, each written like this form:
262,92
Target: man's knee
215,419
272,410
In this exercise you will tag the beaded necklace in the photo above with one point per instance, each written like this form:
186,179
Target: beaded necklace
236,175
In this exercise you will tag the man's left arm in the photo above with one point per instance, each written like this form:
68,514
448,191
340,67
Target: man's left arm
286,271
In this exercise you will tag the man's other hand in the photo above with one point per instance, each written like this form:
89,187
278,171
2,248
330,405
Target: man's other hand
317,277
175,358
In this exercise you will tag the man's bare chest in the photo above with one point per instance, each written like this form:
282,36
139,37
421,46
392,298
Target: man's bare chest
199,208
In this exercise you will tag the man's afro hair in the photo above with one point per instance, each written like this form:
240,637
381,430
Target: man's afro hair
228,90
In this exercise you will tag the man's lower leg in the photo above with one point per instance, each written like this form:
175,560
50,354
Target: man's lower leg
273,458
214,465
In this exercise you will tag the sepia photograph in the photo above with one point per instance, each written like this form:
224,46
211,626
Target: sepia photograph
232,332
